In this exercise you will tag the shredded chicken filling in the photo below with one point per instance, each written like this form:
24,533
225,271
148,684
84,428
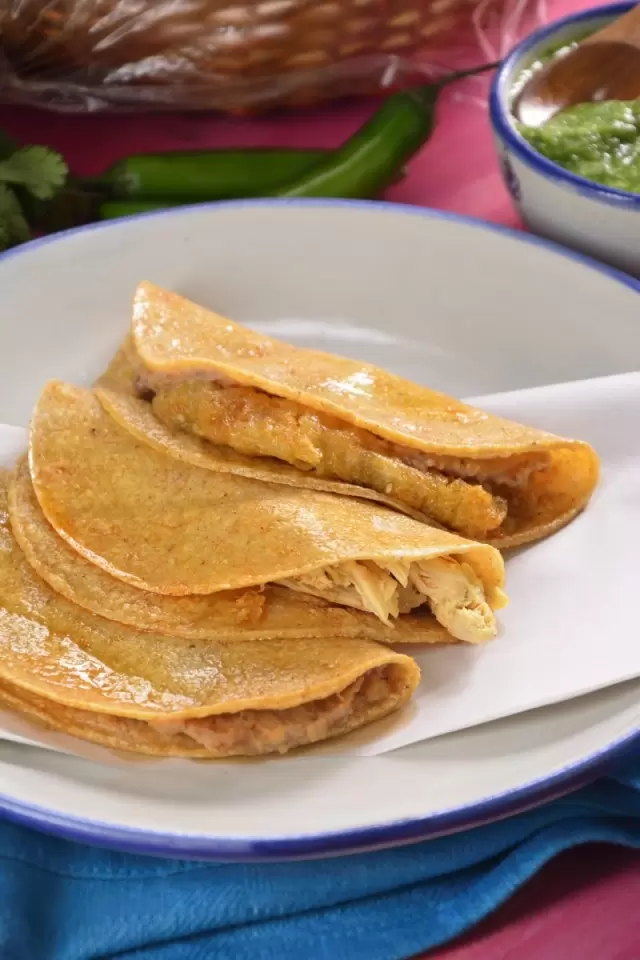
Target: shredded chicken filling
449,587
255,732
457,493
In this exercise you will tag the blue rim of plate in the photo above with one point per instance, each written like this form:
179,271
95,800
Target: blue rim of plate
502,121
335,843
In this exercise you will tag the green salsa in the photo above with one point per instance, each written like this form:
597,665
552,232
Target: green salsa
599,141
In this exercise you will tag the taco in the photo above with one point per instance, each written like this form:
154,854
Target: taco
336,419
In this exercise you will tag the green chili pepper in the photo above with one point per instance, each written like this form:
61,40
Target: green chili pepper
369,160
203,174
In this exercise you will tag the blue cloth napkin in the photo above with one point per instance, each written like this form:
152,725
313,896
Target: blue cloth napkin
64,901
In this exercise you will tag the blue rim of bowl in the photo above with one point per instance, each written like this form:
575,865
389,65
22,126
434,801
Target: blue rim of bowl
502,120
360,839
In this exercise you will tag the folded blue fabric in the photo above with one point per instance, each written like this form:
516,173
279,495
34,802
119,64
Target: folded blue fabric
65,901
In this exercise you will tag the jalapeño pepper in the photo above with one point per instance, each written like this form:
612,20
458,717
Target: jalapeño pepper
202,175
368,162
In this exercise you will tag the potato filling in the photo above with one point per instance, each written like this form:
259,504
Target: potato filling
457,493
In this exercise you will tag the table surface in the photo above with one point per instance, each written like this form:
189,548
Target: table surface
584,905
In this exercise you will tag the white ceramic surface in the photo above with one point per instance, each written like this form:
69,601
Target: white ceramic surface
554,203
456,304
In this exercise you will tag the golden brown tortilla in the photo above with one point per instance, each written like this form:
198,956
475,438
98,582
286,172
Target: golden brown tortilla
379,692
122,371
236,615
175,529
114,733
133,690
137,417
534,482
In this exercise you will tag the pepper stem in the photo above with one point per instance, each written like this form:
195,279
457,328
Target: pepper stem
428,90
461,74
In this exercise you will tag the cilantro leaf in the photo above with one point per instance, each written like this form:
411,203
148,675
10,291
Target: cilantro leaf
39,170
14,228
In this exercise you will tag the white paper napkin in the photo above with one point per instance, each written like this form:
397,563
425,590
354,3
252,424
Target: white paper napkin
573,623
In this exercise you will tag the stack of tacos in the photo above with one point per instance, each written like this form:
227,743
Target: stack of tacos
221,548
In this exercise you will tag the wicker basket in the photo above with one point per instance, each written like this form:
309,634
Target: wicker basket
224,54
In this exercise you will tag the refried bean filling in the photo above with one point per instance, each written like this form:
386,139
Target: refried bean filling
255,732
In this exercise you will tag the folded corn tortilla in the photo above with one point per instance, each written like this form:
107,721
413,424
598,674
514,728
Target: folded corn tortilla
175,529
380,690
137,416
131,690
122,371
236,615
337,419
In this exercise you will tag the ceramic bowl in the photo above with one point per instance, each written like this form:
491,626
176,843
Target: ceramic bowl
553,202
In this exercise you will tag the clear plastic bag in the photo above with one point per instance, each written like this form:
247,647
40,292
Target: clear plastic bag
235,55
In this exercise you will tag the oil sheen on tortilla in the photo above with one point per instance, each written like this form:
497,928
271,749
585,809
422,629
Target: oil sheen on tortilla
236,615
175,529
132,690
138,418
470,471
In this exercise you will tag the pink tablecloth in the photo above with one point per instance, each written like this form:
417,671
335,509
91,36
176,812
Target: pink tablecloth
585,905
457,171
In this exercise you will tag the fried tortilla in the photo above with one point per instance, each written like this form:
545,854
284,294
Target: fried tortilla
380,691
237,615
122,372
137,417
174,529
131,690
339,419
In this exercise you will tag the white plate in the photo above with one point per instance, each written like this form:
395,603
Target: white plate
459,305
